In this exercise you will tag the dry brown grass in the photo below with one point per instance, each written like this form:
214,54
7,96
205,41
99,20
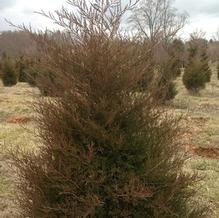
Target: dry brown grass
202,139
16,128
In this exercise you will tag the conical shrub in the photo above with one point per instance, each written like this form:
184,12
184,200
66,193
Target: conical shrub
21,67
9,77
108,150
194,77
197,72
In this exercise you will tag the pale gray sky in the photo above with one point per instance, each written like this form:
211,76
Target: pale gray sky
204,14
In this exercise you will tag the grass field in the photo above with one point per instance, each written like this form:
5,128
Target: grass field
16,128
201,141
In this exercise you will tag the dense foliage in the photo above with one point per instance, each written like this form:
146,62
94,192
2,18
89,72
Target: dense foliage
8,74
108,150
21,66
197,72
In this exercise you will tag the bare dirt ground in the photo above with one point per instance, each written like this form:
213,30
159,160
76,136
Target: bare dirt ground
201,141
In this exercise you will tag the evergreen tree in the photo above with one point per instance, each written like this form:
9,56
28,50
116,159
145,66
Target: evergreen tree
165,86
32,71
108,150
205,65
9,77
197,72
176,54
169,69
21,66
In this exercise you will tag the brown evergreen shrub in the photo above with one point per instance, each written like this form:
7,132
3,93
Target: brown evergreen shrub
108,150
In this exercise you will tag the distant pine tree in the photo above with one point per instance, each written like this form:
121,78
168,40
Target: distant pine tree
169,70
176,52
205,65
9,77
21,66
166,89
197,72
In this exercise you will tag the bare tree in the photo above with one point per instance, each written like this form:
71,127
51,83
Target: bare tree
158,20
216,35
198,34
158,23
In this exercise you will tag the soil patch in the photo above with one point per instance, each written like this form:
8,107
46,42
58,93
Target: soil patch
212,153
18,120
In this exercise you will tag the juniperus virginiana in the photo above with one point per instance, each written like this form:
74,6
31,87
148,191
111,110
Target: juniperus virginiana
205,65
176,53
33,71
170,69
197,72
21,67
9,77
166,88
108,150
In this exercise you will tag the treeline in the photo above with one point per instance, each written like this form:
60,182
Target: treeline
16,43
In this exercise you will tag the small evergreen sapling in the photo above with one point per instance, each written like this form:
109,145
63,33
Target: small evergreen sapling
9,77
197,72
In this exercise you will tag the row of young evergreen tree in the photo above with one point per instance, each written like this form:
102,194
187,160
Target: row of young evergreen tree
196,74
13,70
197,71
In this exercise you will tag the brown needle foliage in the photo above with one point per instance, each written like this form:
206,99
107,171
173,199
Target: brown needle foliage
108,150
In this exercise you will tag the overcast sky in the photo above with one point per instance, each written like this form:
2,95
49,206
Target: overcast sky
204,14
